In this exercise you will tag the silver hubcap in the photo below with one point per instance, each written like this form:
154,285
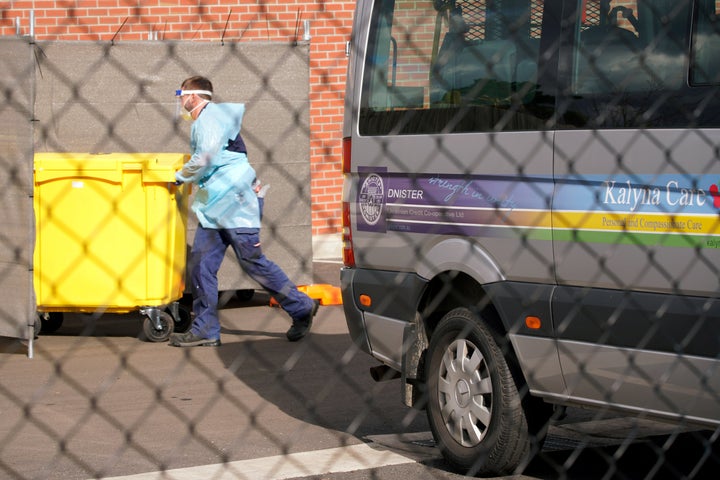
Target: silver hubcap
465,393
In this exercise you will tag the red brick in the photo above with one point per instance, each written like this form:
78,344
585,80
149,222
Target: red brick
268,20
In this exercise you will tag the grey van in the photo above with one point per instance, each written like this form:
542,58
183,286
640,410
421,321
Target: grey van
531,212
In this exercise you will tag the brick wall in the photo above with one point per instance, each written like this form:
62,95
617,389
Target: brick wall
213,21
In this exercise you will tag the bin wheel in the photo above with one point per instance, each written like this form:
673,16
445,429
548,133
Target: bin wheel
50,322
245,295
153,334
183,320
186,300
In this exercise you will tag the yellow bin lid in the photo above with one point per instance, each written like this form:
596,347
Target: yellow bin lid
155,167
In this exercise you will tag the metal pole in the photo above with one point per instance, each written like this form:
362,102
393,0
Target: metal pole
32,24
306,30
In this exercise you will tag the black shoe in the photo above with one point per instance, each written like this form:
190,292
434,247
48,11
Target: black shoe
189,339
301,327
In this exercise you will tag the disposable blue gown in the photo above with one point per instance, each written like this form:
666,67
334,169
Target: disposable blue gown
225,198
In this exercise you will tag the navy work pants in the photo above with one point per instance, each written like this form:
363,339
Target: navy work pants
207,254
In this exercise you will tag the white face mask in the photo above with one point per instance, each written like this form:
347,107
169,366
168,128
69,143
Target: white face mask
187,114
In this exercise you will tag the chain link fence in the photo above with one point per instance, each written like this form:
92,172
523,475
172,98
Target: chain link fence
457,252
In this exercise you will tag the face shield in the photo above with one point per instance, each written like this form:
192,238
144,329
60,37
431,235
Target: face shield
180,110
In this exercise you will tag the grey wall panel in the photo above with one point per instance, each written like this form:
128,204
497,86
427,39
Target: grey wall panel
95,97
16,215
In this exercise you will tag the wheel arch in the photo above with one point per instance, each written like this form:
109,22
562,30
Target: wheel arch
457,268
459,271
461,255
446,291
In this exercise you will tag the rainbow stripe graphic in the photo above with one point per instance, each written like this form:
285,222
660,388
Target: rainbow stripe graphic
666,210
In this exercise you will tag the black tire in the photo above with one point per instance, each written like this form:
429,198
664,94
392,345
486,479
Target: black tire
184,320
50,322
482,433
152,334
186,300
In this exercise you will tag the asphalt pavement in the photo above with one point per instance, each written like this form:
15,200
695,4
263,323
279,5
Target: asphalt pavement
97,402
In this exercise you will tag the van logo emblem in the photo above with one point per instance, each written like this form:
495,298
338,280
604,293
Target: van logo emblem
371,198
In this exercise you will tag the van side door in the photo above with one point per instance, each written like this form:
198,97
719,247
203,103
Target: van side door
635,211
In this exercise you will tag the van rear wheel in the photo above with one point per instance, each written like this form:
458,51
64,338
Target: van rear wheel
474,408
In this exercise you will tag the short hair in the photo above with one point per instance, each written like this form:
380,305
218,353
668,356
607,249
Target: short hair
198,82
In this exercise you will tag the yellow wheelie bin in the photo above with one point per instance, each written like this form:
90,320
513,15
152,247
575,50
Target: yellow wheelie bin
110,237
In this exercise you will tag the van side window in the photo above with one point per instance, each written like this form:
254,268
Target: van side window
627,47
630,65
705,68
452,66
